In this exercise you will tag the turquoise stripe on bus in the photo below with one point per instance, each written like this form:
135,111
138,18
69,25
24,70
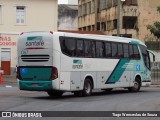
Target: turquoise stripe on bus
117,72
135,42
34,38
35,85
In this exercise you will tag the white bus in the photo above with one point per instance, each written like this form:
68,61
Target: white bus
58,62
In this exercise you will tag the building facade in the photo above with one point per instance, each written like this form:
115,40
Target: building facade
73,2
67,17
132,17
18,16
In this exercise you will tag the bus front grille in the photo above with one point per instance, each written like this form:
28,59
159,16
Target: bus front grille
35,58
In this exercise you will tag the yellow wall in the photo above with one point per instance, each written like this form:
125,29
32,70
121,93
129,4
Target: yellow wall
41,15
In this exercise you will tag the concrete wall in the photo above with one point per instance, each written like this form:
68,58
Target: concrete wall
68,17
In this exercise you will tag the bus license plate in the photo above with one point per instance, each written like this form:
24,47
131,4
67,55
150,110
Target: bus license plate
35,85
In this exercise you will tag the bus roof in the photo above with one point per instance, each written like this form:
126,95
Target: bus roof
94,36
107,37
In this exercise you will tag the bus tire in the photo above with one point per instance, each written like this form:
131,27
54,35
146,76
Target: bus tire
55,93
87,88
137,85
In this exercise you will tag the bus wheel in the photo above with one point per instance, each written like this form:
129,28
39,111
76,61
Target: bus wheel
55,93
137,85
87,89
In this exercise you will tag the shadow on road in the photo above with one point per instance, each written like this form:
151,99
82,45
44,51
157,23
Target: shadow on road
94,95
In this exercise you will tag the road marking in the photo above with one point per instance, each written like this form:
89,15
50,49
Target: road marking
7,86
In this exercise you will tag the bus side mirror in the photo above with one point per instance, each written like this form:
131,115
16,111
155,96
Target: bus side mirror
151,53
154,58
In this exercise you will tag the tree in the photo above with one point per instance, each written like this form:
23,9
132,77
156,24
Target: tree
155,28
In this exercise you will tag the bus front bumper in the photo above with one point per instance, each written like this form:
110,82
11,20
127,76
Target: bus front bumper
35,85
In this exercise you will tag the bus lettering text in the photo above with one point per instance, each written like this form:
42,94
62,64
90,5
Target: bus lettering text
35,43
77,66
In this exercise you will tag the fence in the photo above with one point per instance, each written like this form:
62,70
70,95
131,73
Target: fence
155,73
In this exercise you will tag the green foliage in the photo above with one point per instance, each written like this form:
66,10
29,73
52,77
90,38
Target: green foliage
158,9
155,28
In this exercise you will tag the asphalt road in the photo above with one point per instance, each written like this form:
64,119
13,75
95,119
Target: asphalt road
148,99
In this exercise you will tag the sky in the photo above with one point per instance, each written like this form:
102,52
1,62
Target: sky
62,1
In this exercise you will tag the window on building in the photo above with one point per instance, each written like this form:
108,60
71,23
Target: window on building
109,3
102,4
98,26
130,2
103,26
93,6
80,11
84,9
130,22
115,24
20,14
80,29
93,27
89,28
109,25
115,3
84,28
89,8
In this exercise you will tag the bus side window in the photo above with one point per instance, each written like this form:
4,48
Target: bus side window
136,52
93,49
126,50
69,46
145,55
99,49
87,48
114,50
120,51
131,55
80,50
108,50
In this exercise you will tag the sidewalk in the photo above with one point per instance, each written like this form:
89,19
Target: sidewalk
9,79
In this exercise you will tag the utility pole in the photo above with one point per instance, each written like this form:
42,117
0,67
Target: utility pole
119,17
